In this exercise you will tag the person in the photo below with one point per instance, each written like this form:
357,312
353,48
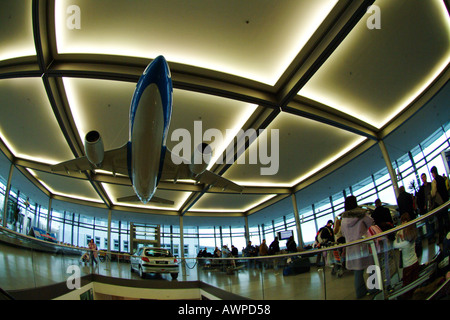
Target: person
201,254
382,216
250,250
405,202
234,251
217,253
274,247
338,237
355,223
291,246
326,233
93,252
439,195
225,251
263,249
447,183
424,195
405,240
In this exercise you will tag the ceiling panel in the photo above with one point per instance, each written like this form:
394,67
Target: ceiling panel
16,31
27,123
302,147
66,186
101,105
196,32
208,118
375,73
213,202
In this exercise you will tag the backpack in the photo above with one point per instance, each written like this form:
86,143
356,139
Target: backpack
373,230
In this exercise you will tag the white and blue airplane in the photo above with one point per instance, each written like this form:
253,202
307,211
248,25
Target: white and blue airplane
145,158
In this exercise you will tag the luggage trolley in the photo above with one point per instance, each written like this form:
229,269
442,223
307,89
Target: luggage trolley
336,261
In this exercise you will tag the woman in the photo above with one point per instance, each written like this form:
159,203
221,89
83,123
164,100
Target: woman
405,240
93,251
354,225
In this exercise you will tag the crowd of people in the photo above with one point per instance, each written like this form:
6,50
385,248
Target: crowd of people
356,223
250,250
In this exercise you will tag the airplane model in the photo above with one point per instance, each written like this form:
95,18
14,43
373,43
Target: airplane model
145,158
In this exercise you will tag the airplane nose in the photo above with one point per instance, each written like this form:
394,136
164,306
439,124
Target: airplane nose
158,66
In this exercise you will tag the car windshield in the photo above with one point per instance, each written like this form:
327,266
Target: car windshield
157,253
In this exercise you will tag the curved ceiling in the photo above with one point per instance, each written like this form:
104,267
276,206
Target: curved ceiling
316,81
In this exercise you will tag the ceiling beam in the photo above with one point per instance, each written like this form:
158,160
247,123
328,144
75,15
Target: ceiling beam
313,110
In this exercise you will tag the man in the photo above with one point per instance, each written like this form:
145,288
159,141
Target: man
439,195
326,233
424,195
274,246
439,191
405,203
324,236
382,216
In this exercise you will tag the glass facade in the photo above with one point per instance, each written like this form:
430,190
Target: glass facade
77,229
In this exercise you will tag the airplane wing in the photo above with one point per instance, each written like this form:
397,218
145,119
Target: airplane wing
75,165
135,198
172,171
114,161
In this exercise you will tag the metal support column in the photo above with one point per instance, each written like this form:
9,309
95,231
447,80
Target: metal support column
297,221
8,189
389,166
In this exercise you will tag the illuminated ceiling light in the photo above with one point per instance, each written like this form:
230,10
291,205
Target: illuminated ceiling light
297,180
328,162
75,107
25,156
231,134
18,51
249,207
421,87
67,195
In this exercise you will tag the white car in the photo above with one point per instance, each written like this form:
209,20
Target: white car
154,260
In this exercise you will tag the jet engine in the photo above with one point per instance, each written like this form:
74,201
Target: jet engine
200,158
93,146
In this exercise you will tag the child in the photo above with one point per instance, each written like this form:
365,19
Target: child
405,240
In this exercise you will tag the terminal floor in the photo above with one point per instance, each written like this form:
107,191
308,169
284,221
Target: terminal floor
22,269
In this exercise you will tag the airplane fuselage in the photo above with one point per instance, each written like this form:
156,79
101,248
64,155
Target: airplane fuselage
150,114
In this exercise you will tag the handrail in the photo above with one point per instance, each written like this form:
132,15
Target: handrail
6,294
347,244
300,253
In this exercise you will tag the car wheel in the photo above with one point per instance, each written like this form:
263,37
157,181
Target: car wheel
174,275
141,273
